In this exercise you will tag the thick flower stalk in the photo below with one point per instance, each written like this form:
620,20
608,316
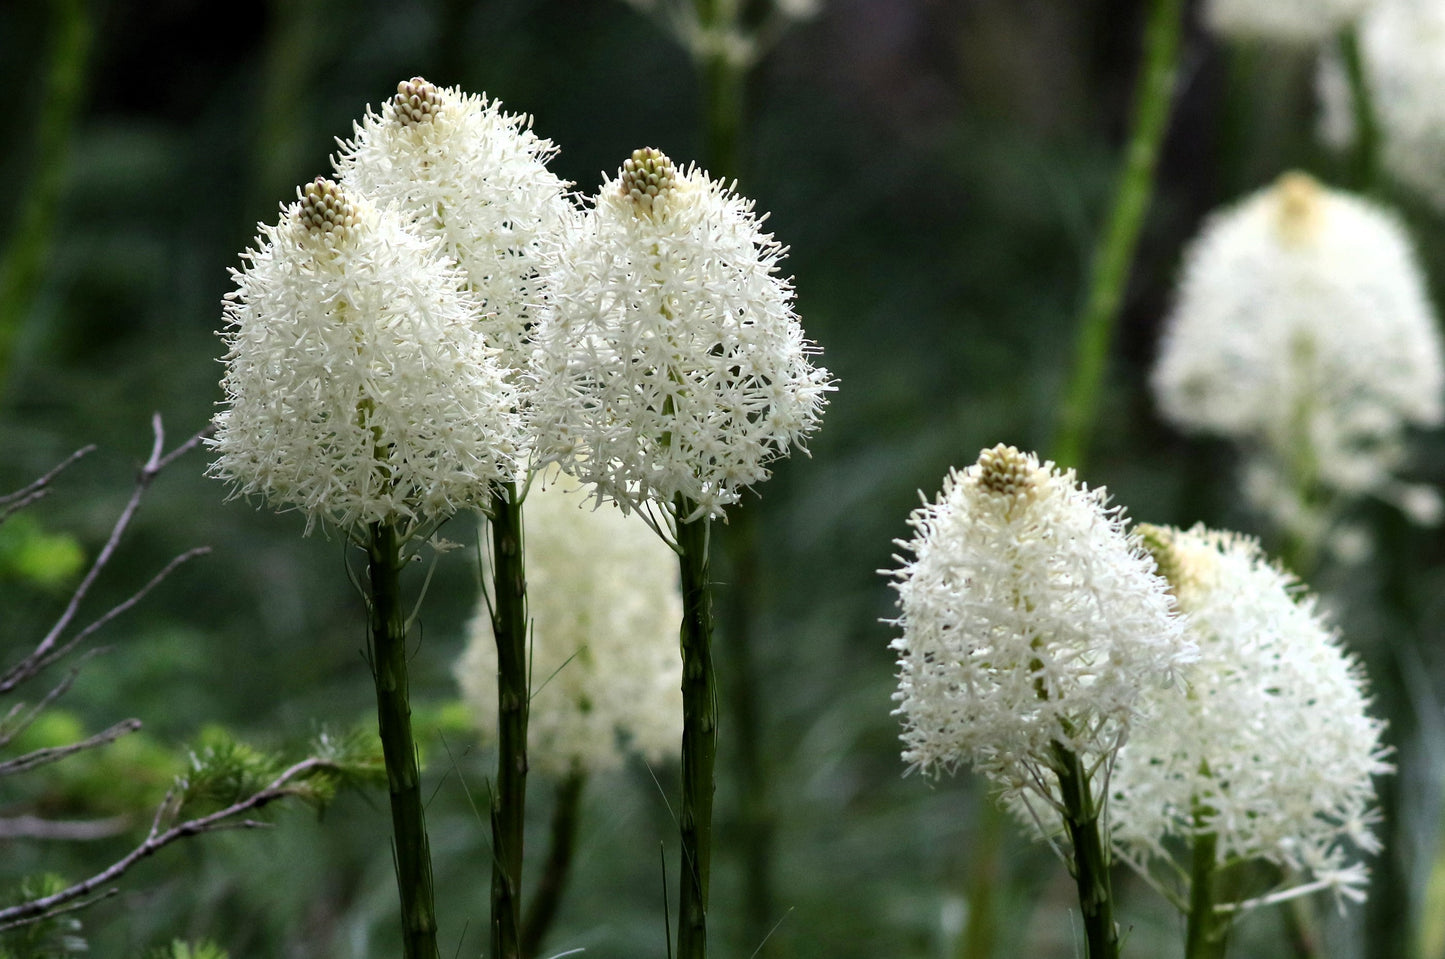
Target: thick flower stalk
1267,753
1032,624
1293,22
1302,332
359,390
462,170
605,606
1401,53
672,371
606,675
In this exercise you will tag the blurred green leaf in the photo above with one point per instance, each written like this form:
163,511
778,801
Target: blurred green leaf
31,554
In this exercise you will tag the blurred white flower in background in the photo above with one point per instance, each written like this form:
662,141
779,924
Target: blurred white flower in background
1030,617
1402,49
1302,331
605,663
671,362
1269,747
1298,22
358,387
724,33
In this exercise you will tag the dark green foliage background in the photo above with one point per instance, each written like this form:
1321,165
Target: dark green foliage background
939,169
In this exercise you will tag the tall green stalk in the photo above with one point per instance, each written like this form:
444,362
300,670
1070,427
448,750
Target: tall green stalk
699,732
393,712
723,81
1365,160
1115,253
23,261
1090,855
548,895
1206,930
509,792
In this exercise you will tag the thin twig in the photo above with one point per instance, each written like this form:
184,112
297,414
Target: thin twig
42,656
8,732
22,497
156,839
64,830
50,754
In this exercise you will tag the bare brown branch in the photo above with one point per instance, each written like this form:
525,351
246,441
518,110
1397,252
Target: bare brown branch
159,837
50,754
50,648
63,830
21,498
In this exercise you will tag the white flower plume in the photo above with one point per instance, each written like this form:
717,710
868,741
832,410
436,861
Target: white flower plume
357,386
1029,617
1402,54
1302,331
1297,22
606,669
672,363
1270,745
461,169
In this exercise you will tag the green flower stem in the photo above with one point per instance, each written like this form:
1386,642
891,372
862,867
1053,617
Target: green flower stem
393,713
548,895
1090,855
742,684
699,732
1365,161
723,80
1206,930
1110,271
24,258
509,792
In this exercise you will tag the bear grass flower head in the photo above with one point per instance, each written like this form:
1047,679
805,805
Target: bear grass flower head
605,604
1302,331
1295,22
1030,617
460,168
1402,53
357,387
1269,747
671,363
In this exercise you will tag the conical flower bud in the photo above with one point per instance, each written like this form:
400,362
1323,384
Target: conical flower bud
647,177
416,101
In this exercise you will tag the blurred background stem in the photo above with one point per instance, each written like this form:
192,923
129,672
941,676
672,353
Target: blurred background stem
723,81
547,897
1109,273
393,712
22,262
1365,159
509,792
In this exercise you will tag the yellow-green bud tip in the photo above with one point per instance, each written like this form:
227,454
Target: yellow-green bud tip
1301,207
647,176
416,101
1007,472
1182,562
325,212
